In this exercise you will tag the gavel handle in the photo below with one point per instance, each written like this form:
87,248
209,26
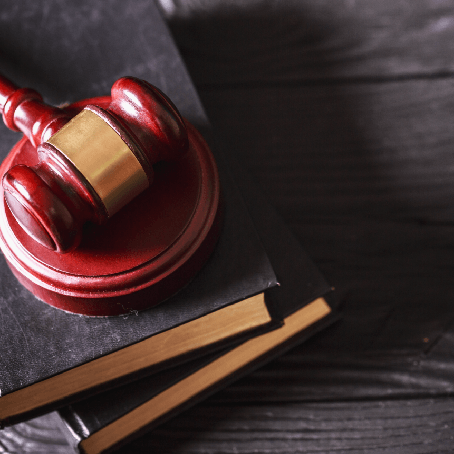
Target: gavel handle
7,88
23,110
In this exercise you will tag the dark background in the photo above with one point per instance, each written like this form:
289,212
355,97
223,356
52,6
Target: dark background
343,112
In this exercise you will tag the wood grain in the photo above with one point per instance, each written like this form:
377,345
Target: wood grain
263,41
422,426
364,150
362,173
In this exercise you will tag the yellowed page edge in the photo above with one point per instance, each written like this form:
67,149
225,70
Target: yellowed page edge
204,378
226,322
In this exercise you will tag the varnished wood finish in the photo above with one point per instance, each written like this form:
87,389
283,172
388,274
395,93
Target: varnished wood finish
23,110
89,166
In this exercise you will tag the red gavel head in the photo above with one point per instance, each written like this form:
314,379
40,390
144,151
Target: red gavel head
94,165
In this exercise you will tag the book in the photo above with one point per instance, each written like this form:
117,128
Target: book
109,420
51,358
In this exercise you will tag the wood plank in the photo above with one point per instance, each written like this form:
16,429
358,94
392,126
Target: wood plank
262,42
417,426
363,174
374,150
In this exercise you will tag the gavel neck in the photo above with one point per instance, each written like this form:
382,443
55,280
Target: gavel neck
23,110
7,88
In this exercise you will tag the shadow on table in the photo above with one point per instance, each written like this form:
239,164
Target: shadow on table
357,163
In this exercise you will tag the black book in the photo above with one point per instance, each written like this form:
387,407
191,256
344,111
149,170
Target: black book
51,358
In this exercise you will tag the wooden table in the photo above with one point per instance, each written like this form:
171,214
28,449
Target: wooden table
344,113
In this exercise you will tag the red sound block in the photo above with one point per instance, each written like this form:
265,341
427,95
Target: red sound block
145,253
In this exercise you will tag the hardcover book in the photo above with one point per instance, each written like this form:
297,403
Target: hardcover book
49,357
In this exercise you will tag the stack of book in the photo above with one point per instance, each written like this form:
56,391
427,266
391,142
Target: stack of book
113,378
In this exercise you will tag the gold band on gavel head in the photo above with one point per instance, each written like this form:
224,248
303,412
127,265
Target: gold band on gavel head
103,158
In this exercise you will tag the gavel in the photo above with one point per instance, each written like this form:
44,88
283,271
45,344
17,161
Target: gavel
90,165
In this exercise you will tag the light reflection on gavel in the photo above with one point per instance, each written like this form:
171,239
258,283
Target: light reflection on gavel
91,165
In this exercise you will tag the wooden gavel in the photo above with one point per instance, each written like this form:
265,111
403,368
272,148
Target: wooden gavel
90,165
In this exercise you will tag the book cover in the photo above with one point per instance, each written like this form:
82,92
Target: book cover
50,357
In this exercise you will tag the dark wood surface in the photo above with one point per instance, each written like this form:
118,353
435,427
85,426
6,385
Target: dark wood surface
343,112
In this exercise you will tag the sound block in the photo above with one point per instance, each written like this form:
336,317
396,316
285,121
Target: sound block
144,254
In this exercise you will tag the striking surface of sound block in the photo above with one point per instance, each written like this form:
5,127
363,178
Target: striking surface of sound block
145,253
